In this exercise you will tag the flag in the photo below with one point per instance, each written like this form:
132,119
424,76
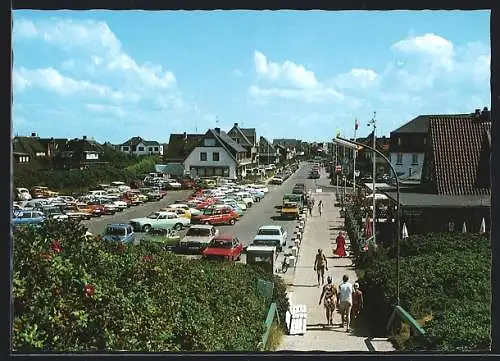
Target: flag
464,228
356,124
482,229
405,231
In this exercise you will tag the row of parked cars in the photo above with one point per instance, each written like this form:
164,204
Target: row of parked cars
283,174
105,200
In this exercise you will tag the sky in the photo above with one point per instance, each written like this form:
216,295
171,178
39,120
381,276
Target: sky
112,75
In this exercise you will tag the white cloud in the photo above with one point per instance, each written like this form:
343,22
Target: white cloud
107,109
94,38
237,72
53,81
19,82
319,95
357,79
294,74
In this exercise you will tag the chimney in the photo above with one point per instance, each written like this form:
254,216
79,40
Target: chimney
33,134
235,124
485,115
477,113
185,136
217,130
84,137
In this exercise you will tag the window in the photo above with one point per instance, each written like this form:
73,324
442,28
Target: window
414,159
156,149
215,156
126,149
425,140
400,142
218,172
399,159
409,172
150,149
134,148
141,149
225,172
203,156
209,142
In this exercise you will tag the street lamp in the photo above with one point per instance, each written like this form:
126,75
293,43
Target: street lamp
358,146
373,123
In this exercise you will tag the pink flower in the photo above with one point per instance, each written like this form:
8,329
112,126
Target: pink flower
56,246
88,290
147,258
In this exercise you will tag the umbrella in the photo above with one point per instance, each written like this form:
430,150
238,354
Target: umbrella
464,228
405,231
482,229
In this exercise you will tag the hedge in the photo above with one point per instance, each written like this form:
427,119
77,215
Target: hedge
445,276
77,294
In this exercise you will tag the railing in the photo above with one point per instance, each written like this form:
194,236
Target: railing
399,311
271,315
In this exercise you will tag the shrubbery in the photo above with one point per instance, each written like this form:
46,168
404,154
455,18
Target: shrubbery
445,276
73,293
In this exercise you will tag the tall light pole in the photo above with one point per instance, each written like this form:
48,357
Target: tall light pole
373,123
354,154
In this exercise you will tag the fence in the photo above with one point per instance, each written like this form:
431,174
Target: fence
271,315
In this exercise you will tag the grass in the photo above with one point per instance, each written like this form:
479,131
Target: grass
275,337
403,336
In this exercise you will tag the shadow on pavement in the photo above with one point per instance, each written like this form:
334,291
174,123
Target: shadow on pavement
292,285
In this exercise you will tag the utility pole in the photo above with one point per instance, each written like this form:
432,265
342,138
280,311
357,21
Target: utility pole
373,123
354,155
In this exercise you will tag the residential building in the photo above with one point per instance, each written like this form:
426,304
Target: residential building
139,146
34,152
216,154
267,152
179,147
455,187
364,159
247,138
79,153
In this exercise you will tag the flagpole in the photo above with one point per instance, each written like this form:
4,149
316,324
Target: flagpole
354,159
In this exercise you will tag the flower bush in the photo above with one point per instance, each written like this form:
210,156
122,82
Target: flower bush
74,293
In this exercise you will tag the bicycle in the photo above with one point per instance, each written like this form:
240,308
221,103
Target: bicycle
286,263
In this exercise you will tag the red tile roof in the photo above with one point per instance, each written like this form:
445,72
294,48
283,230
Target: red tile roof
459,147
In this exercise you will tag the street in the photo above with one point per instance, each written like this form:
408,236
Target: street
261,213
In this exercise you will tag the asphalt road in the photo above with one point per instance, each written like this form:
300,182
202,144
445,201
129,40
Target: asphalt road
260,214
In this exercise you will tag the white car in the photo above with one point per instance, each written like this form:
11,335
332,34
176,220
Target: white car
120,204
193,211
173,184
23,194
259,187
160,220
245,197
199,236
271,235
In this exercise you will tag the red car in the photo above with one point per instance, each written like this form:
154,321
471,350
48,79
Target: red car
227,247
216,215
205,203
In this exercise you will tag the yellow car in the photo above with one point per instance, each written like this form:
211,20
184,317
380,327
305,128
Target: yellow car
179,211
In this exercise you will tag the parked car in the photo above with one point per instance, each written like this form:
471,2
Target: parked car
245,197
290,210
225,247
76,213
104,206
271,235
54,212
172,184
42,192
23,194
119,232
27,217
276,180
216,215
97,208
198,237
151,193
192,211
159,220
167,237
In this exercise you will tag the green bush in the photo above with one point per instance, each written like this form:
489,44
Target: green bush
442,275
73,293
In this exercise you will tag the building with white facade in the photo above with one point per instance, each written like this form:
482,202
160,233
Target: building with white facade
139,146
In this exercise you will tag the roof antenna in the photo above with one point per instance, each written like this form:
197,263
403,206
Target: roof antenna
216,121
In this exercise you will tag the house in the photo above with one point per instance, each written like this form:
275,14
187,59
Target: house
364,159
455,185
79,153
29,152
288,143
216,154
267,152
139,146
247,138
179,147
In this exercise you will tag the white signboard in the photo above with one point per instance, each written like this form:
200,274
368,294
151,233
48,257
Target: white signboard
89,156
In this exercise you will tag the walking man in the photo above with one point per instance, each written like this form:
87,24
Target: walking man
310,207
320,265
357,302
320,207
330,294
345,301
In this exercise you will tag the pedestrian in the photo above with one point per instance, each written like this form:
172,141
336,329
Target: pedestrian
330,299
320,265
340,241
320,207
345,301
357,303
310,207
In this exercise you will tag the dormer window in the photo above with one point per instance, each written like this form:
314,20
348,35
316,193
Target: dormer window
400,142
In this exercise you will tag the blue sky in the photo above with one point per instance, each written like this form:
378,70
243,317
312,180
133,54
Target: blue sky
290,74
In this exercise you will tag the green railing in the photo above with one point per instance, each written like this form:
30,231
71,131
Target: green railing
271,315
399,311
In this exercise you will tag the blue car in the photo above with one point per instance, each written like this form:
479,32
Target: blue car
27,217
119,232
256,194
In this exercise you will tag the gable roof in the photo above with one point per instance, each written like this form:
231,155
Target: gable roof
250,133
460,155
226,139
382,143
420,124
28,145
134,141
235,130
266,143
181,145
290,143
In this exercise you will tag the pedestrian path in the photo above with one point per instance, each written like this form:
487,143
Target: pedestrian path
321,232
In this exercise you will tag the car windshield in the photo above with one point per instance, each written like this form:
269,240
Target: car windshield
198,232
115,231
290,205
221,244
269,232
153,215
208,212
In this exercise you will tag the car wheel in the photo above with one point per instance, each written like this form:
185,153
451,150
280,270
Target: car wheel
232,221
178,227
146,228
249,205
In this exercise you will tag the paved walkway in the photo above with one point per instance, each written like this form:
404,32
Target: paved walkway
320,232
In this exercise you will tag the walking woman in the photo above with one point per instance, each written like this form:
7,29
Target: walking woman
340,250
330,294
320,207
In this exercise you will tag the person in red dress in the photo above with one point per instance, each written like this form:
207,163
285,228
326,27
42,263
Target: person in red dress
357,303
340,250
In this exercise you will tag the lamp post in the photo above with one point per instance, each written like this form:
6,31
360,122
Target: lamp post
359,146
373,123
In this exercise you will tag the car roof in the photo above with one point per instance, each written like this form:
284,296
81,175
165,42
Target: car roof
118,225
224,237
270,227
164,212
202,226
